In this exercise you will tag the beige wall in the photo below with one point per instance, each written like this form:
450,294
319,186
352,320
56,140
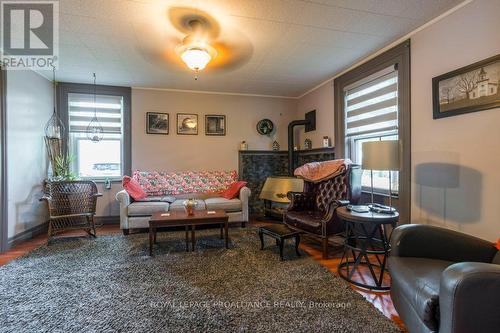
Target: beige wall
200,152
463,191
321,100
29,106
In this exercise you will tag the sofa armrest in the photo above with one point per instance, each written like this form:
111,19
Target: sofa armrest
300,201
468,298
425,241
124,199
244,196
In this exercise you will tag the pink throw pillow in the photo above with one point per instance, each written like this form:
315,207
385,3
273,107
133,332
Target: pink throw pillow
133,188
233,190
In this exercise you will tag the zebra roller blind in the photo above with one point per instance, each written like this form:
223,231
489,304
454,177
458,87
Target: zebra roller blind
371,104
81,111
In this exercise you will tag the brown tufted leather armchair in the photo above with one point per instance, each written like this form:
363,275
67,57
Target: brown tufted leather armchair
314,210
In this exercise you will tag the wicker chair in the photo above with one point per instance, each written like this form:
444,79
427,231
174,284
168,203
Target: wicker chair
71,205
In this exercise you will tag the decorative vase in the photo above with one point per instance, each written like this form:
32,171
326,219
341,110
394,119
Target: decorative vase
307,144
326,142
190,205
276,145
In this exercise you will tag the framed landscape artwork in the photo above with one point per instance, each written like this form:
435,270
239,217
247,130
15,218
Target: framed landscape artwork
187,124
467,89
215,125
157,123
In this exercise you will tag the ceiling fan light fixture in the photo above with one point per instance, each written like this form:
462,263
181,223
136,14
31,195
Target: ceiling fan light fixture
196,58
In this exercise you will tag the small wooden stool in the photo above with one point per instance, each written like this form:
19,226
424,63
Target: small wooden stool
280,233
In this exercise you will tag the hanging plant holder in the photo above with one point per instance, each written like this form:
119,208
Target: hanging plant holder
54,133
54,128
95,131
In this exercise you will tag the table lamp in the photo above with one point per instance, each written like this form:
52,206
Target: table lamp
382,156
275,190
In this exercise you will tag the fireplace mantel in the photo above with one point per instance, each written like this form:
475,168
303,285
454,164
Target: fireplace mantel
256,165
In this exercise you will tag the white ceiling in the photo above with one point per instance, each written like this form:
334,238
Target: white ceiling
291,45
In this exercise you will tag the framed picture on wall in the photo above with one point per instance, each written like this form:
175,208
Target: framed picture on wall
187,124
215,125
468,89
157,123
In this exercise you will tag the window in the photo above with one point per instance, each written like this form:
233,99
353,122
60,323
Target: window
371,114
110,157
95,159
375,96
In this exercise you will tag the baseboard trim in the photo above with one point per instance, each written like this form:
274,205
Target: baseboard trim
27,234
107,220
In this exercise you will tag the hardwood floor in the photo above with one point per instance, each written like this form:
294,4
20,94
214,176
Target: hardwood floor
381,300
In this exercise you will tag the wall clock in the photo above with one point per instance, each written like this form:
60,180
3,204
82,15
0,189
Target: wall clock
265,127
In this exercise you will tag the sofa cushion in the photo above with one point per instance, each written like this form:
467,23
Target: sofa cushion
178,205
133,188
157,183
417,281
147,208
229,205
233,190
167,198
305,220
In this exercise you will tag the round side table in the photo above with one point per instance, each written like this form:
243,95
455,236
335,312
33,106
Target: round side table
366,244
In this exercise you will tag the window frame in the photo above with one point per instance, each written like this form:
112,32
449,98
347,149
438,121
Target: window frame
351,144
66,88
398,56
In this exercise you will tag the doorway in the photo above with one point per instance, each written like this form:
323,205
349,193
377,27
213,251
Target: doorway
3,164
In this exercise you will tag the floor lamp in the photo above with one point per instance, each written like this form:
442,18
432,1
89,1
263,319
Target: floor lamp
383,156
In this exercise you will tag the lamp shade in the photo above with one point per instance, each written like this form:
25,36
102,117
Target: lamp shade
276,188
196,58
381,155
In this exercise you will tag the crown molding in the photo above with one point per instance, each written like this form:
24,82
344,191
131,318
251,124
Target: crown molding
208,92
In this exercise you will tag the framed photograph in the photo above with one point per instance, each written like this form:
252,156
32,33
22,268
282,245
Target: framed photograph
467,89
157,123
215,125
187,124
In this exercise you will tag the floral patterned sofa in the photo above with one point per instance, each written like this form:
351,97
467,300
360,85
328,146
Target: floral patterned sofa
166,191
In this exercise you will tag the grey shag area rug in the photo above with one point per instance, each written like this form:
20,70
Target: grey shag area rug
110,284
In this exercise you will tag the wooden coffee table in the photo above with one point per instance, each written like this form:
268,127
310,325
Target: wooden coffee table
181,219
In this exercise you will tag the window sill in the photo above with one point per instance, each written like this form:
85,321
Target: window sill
103,180
380,193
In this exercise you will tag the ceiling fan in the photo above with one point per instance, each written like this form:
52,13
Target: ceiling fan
197,41
195,49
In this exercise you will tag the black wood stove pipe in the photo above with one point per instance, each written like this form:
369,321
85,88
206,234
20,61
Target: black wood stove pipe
291,127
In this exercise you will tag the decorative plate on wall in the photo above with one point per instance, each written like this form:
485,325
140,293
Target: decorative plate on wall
265,127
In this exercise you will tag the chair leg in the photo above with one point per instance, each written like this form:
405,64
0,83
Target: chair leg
49,233
91,229
325,247
93,226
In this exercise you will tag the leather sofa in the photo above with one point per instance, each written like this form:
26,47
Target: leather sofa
313,211
180,186
444,281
